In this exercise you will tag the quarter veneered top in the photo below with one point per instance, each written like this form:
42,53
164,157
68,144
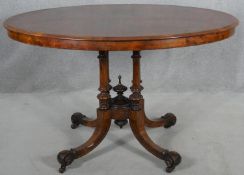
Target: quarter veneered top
121,27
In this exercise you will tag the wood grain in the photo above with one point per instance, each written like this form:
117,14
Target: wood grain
121,27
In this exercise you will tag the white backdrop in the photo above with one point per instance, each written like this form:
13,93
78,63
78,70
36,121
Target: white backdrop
40,88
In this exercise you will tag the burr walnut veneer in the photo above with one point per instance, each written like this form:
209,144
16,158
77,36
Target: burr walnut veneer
105,28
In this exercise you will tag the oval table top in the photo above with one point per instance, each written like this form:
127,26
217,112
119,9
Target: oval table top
121,27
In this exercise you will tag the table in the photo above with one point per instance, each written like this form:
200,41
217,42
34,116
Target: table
105,28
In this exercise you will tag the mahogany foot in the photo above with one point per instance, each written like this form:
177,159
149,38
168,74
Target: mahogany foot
166,121
172,159
121,123
170,120
65,158
80,119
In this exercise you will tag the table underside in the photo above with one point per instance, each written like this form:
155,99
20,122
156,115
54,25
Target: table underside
121,109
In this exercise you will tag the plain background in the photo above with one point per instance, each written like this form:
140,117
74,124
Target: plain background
41,87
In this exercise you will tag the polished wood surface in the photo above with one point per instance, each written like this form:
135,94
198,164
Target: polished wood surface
121,27
106,28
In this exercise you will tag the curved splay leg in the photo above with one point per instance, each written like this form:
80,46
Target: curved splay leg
171,158
66,157
80,119
166,121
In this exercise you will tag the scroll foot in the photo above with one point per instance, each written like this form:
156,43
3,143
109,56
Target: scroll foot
172,159
80,119
170,120
65,158
76,120
166,121
121,123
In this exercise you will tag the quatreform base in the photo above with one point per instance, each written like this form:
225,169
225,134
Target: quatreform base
121,109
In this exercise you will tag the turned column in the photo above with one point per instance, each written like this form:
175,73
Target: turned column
136,87
104,95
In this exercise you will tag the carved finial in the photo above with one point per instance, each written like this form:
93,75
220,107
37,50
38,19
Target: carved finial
120,88
119,79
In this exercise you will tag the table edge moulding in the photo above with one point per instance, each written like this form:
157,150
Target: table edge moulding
123,43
